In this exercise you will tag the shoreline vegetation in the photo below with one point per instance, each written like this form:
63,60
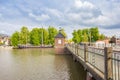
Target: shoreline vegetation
44,37
31,46
34,38
87,35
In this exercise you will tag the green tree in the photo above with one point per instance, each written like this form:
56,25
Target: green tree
35,36
63,32
80,35
86,35
94,34
15,39
102,37
45,36
75,36
85,38
38,36
41,35
52,33
24,35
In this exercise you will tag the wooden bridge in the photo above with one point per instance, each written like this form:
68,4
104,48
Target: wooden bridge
101,64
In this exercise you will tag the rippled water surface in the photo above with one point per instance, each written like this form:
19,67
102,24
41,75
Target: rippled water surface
38,64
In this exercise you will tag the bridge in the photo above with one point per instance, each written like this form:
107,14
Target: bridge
100,63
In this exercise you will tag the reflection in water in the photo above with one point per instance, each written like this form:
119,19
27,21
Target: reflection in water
38,64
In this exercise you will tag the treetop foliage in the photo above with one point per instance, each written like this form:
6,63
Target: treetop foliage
37,36
87,35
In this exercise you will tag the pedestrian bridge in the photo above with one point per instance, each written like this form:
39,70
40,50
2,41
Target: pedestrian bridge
100,63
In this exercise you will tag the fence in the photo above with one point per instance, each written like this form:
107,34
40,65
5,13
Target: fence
106,60
116,65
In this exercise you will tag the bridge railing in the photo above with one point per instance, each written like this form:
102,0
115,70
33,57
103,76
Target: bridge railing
116,65
80,50
96,58
106,60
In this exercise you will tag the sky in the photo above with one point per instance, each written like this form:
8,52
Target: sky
67,14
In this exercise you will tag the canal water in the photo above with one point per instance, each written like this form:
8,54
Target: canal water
38,64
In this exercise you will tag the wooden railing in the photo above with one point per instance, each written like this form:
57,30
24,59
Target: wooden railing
106,60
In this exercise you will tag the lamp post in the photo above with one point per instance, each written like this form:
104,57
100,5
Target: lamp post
42,35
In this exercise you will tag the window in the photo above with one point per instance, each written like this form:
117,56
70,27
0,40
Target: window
59,41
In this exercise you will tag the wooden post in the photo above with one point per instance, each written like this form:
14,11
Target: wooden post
85,52
77,49
108,63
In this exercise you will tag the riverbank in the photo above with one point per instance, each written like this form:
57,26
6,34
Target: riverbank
6,47
30,46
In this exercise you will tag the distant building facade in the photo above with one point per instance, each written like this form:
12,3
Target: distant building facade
4,40
115,40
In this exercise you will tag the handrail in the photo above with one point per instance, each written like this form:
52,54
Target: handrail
104,60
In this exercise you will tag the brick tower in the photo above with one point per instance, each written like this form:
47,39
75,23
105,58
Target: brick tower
59,40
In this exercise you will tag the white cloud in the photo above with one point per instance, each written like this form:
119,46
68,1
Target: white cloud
71,13
100,20
74,16
82,13
54,12
42,17
86,13
110,32
8,28
85,4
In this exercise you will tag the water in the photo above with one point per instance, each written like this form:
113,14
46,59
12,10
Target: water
38,64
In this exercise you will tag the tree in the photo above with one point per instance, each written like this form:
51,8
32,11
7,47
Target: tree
24,35
52,33
85,38
35,36
63,32
80,35
45,36
86,35
70,40
102,37
38,35
15,39
75,36
94,33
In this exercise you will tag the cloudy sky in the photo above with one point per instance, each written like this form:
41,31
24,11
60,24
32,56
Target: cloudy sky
68,14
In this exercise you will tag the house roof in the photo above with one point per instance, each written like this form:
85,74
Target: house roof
59,35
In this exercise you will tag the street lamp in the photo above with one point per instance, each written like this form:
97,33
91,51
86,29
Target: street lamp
42,35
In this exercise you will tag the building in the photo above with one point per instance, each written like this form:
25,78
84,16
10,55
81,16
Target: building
115,40
59,40
4,40
102,43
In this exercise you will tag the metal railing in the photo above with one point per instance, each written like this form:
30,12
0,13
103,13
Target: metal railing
106,60
96,58
116,65
81,51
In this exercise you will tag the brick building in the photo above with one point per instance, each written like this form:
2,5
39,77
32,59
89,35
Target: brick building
59,40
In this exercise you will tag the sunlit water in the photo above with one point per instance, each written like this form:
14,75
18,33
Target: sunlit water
38,64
